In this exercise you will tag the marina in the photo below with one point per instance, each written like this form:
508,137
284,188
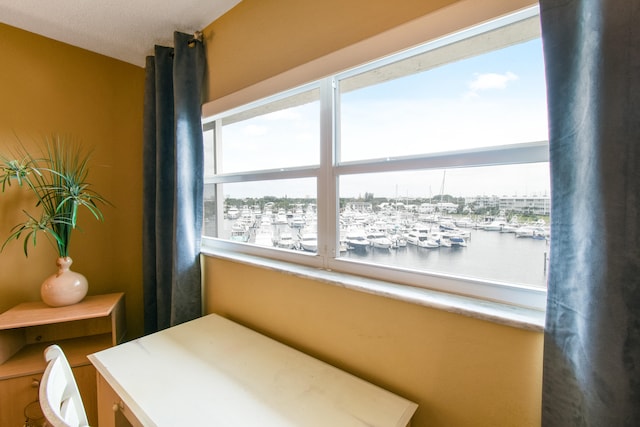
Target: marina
488,248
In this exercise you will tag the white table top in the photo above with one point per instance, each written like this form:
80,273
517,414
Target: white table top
212,371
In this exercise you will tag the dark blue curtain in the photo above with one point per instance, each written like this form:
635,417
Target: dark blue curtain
591,374
173,184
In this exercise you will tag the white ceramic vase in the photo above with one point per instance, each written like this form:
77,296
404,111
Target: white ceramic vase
66,287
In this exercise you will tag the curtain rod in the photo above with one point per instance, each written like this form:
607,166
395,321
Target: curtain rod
197,37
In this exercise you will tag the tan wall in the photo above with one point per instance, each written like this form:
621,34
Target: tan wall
261,38
461,371
48,87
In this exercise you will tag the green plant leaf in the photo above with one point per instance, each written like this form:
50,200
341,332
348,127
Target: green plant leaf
58,179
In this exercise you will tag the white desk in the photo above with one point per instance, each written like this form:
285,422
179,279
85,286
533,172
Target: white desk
214,372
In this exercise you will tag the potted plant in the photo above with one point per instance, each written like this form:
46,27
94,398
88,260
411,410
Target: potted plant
58,179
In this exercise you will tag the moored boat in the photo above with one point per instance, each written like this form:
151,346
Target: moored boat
264,236
309,241
379,240
496,225
285,241
357,240
420,236
239,233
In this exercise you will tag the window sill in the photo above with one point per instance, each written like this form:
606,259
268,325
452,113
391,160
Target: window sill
500,313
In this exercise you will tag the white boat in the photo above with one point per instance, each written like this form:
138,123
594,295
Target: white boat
398,240
264,236
309,241
233,212
440,239
532,232
414,235
357,240
456,239
266,221
239,233
420,236
268,215
454,236
247,218
463,222
297,221
421,240
512,226
379,240
447,225
281,217
286,241
509,228
257,212
495,225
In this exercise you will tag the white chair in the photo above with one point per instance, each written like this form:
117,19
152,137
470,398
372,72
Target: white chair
59,395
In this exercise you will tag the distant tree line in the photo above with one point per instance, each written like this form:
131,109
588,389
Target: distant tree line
288,203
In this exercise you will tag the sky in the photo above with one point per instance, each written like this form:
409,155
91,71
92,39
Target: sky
494,99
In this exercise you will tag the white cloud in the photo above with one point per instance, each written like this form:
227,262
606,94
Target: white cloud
489,81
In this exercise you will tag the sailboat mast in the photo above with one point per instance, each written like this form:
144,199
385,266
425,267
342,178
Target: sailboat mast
444,174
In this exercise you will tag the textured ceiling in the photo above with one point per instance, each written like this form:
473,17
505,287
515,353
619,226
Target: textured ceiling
123,29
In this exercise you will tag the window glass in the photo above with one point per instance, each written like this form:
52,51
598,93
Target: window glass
419,106
281,134
273,214
483,222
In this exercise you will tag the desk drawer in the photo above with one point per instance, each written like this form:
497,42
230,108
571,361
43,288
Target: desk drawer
112,411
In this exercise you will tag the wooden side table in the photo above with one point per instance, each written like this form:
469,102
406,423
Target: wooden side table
94,324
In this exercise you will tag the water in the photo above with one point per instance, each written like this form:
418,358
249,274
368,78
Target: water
489,255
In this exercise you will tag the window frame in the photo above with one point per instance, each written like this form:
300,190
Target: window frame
330,169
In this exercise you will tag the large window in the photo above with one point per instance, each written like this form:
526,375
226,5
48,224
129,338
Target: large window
429,167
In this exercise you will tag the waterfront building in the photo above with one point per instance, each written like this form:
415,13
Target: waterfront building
531,205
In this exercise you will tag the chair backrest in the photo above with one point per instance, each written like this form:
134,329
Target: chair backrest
59,395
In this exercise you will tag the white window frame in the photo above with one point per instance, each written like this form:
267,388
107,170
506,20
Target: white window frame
330,169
